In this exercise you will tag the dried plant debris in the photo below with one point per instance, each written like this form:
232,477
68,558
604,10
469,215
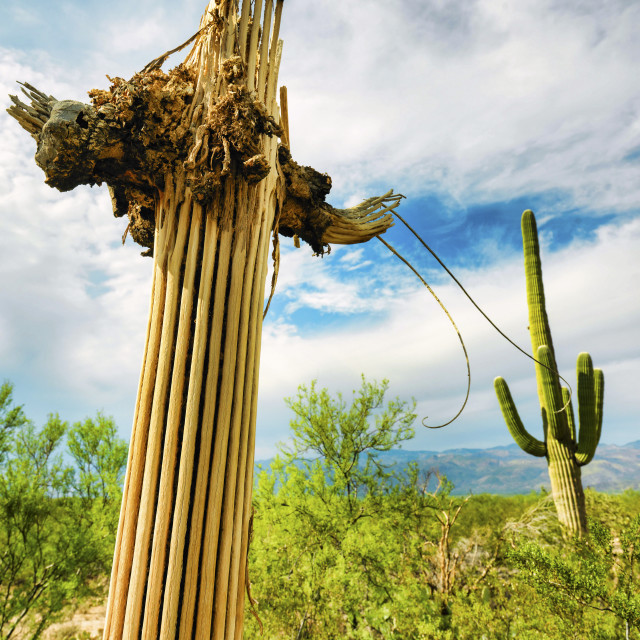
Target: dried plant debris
129,137
139,206
230,138
304,213
149,113
138,131
307,216
130,134
31,118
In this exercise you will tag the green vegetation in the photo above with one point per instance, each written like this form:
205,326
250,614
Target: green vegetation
343,546
599,573
565,448
57,520
346,548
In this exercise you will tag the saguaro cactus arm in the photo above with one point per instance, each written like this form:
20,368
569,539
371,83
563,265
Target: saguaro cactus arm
306,214
557,422
523,438
590,404
130,137
538,319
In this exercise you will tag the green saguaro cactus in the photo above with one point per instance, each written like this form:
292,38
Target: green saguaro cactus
565,448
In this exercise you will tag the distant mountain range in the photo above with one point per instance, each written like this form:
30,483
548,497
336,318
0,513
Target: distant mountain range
508,470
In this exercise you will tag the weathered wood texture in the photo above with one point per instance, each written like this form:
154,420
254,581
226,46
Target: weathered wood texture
192,158
184,530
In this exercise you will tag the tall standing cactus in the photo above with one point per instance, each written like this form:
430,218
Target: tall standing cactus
565,449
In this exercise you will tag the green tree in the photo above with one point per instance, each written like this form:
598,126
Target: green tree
599,572
431,514
37,536
57,522
424,517
100,458
319,577
346,545
10,417
344,439
321,551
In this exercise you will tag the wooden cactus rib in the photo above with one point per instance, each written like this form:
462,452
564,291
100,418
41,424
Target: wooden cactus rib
202,187
235,478
192,427
253,46
147,509
264,51
362,222
275,53
221,455
207,434
123,556
191,488
250,410
252,302
163,515
230,490
243,29
136,453
226,478
129,565
225,483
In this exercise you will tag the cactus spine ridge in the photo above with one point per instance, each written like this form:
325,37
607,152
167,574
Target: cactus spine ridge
557,423
539,328
522,437
590,401
568,445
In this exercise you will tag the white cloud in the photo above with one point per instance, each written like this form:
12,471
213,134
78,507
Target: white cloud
73,300
310,282
136,34
483,101
476,101
416,348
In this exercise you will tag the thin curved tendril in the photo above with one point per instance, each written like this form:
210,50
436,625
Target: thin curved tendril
160,60
466,356
276,263
487,318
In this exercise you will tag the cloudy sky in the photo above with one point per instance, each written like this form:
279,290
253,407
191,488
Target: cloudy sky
474,110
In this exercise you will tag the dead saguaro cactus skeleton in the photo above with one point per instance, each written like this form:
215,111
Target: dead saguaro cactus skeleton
192,158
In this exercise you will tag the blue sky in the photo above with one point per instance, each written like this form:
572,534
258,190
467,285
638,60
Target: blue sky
473,110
